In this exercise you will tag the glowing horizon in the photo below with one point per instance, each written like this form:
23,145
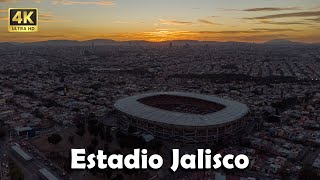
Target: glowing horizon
165,20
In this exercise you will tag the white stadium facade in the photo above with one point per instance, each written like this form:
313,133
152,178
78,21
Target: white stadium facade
183,117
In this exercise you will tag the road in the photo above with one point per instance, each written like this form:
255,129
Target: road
30,168
3,160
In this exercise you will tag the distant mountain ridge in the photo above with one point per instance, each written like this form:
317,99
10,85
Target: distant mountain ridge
283,42
102,42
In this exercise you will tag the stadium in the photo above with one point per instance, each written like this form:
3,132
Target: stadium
183,117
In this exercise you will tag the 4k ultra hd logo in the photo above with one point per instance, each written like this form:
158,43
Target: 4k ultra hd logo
23,20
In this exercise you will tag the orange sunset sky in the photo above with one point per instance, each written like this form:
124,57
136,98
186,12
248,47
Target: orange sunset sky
161,20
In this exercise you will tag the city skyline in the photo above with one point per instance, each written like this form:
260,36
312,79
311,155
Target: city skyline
124,20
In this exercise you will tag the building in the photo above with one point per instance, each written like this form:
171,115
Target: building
25,131
184,117
20,153
46,174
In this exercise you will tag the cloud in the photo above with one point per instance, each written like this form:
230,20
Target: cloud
284,23
159,35
54,20
251,31
67,2
288,15
203,21
49,17
263,9
222,32
224,9
46,15
273,30
16,1
173,22
271,9
120,22
256,35
3,11
206,21
315,8
317,20
10,1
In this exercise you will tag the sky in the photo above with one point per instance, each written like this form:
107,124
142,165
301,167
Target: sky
162,20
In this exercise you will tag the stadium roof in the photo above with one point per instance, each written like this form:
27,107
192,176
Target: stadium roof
233,110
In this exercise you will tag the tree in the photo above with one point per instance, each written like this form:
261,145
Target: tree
106,149
155,145
308,173
71,139
15,173
107,173
54,138
81,131
79,119
93,117
131,130
131,141
93,125
118,177
94,142
67,164
102,133
91,149
95,86
2,133
38,113
108,135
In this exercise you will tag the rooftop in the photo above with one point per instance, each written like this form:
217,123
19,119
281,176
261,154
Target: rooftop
46,173
23,154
